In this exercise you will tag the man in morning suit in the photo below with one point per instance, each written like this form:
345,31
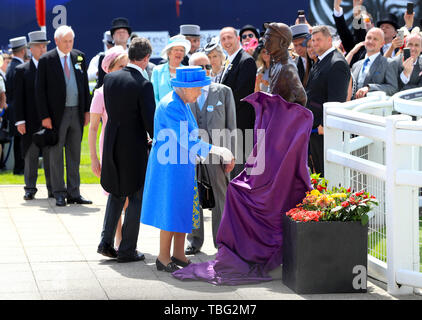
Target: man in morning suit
409,72
19,49
130,105
239,74
215,112
300,32
26,115
374,72
328,82
62,96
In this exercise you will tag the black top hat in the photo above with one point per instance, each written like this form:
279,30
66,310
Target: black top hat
251,28
45,137
389,18
119,23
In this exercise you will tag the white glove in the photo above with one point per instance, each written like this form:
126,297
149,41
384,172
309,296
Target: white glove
225,153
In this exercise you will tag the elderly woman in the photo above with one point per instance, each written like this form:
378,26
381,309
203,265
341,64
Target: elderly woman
115,59
170,185
174,52
217,57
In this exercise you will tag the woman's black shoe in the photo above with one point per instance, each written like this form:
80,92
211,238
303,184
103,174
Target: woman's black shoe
171,267
180,262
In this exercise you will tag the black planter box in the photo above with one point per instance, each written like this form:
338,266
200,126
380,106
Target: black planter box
320,257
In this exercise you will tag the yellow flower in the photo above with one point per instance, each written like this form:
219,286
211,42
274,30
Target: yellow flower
339,195
80,59
315,193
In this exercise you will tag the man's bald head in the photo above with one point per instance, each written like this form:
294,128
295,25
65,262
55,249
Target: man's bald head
374,41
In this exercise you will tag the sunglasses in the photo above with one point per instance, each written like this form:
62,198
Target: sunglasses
250,35
205,67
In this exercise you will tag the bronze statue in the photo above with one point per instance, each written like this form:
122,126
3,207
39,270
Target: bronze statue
284,78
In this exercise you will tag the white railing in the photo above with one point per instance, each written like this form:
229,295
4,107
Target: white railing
368,148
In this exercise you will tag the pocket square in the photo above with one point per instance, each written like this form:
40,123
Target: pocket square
219,103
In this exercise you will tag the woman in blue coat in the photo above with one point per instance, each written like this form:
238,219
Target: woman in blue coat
168,199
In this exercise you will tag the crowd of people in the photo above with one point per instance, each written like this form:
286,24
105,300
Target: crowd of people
45,103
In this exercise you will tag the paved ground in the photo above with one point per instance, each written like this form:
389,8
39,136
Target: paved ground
49,252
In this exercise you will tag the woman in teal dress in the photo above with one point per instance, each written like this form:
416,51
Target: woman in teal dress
174,52
170,186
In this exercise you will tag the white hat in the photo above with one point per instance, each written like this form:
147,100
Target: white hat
18,42
175,41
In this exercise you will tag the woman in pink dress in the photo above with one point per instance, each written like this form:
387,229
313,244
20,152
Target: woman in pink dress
115,59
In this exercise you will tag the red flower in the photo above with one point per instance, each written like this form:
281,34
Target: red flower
345,204
314,181
320,188
349,190
359,194
372,197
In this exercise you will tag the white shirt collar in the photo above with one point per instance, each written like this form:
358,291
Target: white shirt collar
373,57
61,54
142,71
21,60
326,53
231,58
35,61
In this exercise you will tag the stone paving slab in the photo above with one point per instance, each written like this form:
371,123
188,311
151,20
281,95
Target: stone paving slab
49,252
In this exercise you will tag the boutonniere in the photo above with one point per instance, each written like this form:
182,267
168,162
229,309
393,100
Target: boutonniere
80,59
78,66
229,67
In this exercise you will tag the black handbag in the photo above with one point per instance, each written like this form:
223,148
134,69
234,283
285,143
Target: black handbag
205,193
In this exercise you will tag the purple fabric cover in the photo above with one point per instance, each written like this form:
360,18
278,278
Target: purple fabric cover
250,233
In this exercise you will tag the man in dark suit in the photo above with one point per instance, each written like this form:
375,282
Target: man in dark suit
299,33
328,82
62,96
239,74
374,72
19,49
130,105
26,115
409,72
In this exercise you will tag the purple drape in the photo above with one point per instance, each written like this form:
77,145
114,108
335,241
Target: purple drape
250,233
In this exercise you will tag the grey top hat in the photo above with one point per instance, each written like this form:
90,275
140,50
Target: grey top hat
18,42
191,30
37,37
299,31
107,38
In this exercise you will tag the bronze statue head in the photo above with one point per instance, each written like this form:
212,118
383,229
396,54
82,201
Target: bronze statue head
277,38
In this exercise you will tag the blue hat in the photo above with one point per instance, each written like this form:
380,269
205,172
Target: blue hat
190,77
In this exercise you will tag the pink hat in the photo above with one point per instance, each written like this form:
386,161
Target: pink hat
111,55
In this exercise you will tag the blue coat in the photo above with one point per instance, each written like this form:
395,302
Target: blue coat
169,183
160,79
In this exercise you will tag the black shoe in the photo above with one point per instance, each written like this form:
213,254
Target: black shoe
180,262
78,200
191,250
60,201
50,195
28,196
171,267
137,256
107,251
